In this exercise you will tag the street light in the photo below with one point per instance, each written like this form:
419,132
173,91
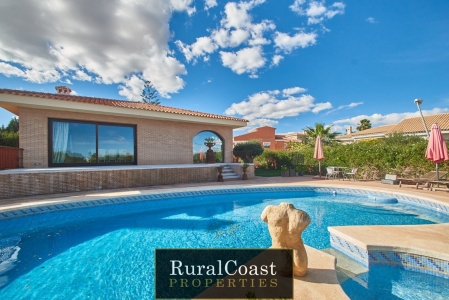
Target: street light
418,103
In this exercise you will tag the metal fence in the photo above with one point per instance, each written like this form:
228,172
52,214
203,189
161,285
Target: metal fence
11,158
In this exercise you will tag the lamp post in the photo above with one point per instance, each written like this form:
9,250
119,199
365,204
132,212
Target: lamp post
418,103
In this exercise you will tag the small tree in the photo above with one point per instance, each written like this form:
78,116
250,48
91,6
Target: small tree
13,125
322,130
9,135
149,94
364,124
248,150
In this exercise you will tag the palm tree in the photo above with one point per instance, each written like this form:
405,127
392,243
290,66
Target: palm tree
321,130
364,124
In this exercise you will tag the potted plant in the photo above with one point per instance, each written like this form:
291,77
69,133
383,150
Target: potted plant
209,142
292,172
210,155
244,168
285,171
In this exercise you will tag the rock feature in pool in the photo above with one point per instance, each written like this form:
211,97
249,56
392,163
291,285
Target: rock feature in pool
286,224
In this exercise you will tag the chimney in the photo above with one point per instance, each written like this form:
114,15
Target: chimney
349,130
63,90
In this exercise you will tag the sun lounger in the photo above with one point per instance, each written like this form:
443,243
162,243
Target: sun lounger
422,181
439,185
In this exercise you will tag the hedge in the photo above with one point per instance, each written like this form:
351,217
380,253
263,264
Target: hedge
400,155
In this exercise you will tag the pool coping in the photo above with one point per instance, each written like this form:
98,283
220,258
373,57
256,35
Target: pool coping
351,237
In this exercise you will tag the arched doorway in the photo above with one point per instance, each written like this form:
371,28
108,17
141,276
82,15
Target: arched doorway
199,149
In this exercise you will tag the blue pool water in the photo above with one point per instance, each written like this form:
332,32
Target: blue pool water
107,252
385,282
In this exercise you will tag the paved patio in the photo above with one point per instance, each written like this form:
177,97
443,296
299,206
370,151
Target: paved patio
8,204
321,282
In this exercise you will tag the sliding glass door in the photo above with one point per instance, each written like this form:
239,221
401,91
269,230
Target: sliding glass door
77,143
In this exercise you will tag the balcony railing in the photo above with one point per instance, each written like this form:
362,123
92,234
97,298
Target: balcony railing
11,158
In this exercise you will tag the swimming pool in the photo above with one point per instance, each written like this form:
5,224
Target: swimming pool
106,251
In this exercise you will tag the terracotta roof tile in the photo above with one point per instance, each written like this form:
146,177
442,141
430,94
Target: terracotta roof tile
118,103
374,130
414,125
409,125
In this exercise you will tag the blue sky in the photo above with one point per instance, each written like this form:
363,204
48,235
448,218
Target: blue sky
286,64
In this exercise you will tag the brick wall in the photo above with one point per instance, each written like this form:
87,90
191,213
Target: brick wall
158,142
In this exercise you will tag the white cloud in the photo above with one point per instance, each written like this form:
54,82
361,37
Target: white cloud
202,46
208,4
276,60
236,29
288,43
247,60
388,119
351,105
297,6
237,15
9,70
81,76
109,40
293,90
371,20
132,89
321,106
269,105
181,5
42,76
256,123
225,38
316,11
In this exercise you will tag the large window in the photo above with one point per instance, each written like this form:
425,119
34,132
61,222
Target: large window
75,143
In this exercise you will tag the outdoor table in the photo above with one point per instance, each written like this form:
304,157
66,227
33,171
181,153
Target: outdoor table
339,171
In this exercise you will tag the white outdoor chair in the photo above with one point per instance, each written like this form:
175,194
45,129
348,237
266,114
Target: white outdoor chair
350,174
331,173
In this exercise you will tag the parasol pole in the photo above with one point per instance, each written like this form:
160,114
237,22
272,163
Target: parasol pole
418,103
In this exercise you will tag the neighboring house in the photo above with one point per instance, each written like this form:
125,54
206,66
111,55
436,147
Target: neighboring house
268,138
372,133
62,130
409,126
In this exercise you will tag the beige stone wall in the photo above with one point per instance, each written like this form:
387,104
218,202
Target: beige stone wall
158,142
43,183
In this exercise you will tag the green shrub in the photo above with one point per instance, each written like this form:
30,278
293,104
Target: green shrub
395,154
9,138
274,159
248,150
